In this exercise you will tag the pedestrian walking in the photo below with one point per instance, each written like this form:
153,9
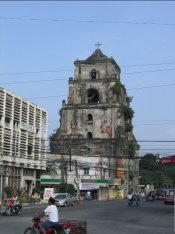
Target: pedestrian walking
38,198
33,198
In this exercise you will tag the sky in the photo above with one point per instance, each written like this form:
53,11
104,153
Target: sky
40,40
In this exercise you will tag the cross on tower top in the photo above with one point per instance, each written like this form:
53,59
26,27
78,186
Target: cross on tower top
98,44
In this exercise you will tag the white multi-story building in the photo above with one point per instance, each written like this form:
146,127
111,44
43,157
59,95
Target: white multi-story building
23,129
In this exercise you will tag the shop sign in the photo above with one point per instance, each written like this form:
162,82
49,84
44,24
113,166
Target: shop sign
167,161
48,192
28,127
88,186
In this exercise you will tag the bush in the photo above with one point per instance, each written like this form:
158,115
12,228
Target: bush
36,190
117,87
132,147
128,112
129,127
8,191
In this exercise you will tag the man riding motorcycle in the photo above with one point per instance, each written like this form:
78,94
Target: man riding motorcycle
133,198
52,212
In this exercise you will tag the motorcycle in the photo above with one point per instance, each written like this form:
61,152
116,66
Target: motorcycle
57,229
9,208
151,197
134,201
88,197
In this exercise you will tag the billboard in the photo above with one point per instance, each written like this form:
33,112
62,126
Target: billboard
48,192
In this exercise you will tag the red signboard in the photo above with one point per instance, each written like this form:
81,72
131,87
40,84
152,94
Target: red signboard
167,160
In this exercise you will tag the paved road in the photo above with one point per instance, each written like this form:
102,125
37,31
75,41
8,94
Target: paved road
104,217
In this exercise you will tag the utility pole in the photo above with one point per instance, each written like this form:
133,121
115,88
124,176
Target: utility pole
62,159
70,159
101,167
1,174
65,171
77,179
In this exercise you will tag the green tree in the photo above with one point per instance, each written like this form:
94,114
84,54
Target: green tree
67,188
148,162
54,141
170,171
162,180
146,179
152,172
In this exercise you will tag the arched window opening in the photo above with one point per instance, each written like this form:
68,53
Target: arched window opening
90,118
89,135
93,96
86,170
93,74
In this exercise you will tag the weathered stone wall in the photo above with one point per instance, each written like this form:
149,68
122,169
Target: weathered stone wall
102,135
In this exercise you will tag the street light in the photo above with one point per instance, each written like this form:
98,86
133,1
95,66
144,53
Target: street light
1,174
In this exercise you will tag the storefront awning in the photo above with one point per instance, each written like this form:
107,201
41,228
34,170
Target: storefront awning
49,181
94,184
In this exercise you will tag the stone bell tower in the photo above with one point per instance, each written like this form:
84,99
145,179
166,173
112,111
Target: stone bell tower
97,119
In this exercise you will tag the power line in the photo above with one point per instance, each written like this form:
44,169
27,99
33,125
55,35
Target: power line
148,64
157,70
142,124
68,70
153,141
157,149
149,120
56,96
34,72
31,81
114,139
57,120
86,21
50,80
153,86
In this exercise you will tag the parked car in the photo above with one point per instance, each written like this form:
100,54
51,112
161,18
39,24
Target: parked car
160,194
151,196
64,199
55,194
169,196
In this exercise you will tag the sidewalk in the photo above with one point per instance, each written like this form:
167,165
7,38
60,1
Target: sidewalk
29,204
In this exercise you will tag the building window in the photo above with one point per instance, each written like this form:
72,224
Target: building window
89,135
29,149
90,117
93,74
28,172
7,119
93,96
15,123
86,171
